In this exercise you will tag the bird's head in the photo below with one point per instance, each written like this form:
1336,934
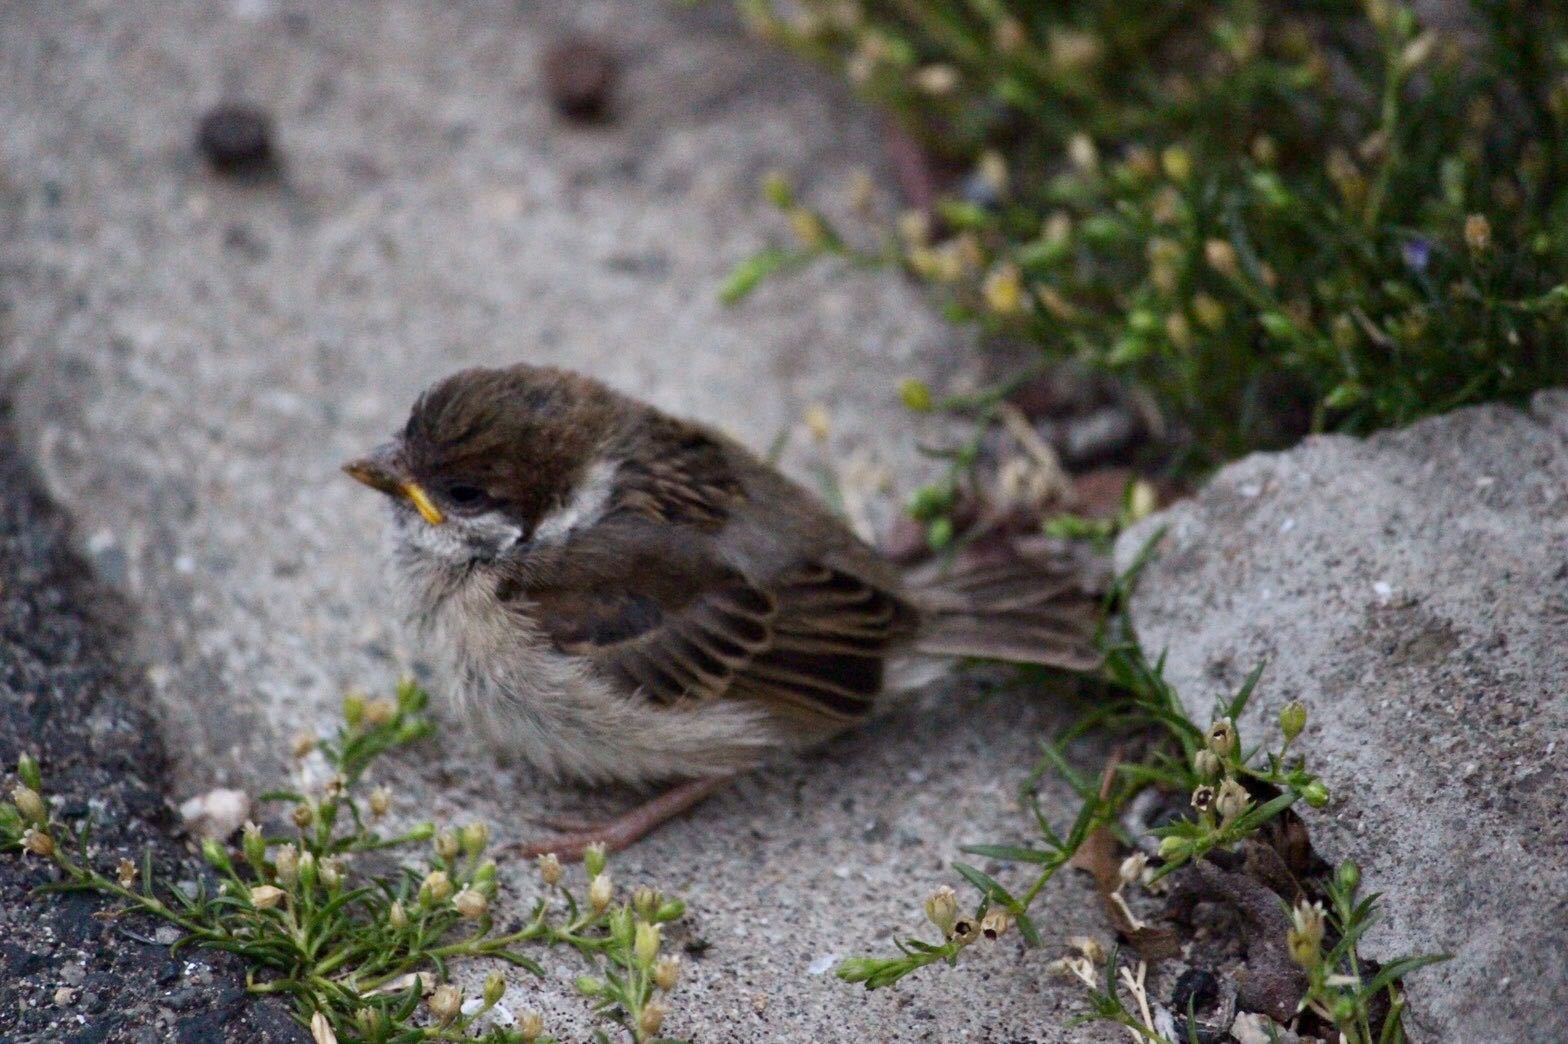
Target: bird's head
492,462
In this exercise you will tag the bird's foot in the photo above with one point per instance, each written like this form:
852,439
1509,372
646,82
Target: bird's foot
626,829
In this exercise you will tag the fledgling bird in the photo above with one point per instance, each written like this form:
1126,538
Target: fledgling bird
618,595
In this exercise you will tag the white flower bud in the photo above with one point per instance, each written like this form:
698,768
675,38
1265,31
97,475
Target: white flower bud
600,893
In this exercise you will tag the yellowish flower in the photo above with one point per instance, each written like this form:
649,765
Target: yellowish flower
942,909
1082,153
446,1003
265,897
38,843
1231,801
1221,257
600,892
646,944
819,422
995,923
1177,163
380,711
653,1014
1208,311
808,228
1478,233
937,79
470,904
1222,737
1004,290
1052,301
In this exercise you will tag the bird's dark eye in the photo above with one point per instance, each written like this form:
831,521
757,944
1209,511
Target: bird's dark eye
465,496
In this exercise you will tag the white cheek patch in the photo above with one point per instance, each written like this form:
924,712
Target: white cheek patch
493,531
463,539
583,508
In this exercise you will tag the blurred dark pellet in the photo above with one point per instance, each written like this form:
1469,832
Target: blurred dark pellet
1196,988
579,74
236,139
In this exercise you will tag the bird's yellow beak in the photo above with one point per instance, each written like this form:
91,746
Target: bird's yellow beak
427,511
383,472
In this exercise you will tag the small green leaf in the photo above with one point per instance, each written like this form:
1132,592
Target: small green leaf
745,277
1345,395
989,886
1009,853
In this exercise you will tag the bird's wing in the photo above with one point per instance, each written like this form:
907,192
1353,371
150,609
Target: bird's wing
686,480
651,606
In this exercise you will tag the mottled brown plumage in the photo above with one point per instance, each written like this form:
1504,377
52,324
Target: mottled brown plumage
625,595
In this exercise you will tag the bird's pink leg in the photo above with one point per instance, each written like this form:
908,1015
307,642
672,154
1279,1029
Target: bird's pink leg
629,827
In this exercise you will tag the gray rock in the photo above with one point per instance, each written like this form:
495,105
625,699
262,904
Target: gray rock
191,402
194,358
62,667
1412,590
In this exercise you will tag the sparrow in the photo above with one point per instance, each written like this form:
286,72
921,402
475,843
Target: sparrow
616,595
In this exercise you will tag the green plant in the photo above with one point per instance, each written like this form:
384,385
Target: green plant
1341,991
1275,219
1234,792
1210,764
1343,988
356,947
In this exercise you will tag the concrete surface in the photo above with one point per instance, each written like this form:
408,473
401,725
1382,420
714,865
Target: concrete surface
1412,590
193,359
67,696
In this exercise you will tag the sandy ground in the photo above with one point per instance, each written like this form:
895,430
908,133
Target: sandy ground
192,359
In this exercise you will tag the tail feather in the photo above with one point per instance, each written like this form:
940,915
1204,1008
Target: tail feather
1036,605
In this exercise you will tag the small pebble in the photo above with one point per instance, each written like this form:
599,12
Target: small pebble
217,813
579,74
236,139
64,995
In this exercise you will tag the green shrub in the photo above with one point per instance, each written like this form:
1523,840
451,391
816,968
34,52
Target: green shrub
1275,217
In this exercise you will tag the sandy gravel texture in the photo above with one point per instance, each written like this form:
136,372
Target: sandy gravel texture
192,359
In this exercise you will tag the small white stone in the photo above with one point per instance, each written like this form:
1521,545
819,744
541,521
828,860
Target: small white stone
1251,1028
217,813
822,964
